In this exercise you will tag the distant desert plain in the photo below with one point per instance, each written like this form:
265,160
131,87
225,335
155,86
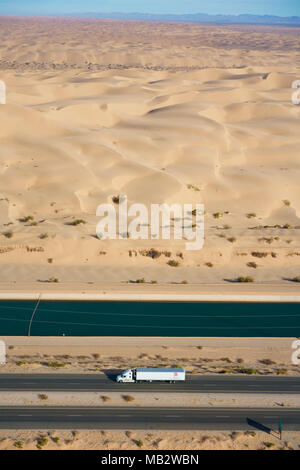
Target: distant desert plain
159,112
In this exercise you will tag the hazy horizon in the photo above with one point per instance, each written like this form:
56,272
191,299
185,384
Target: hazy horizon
279,8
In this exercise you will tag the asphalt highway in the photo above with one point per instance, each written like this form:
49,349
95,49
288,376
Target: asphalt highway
107,383
149,418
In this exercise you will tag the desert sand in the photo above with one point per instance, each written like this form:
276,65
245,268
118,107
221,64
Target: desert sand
155,440
261,356
170,113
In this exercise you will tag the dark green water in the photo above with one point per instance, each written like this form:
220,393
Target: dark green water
150,319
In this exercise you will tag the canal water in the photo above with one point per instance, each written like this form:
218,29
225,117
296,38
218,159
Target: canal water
73,318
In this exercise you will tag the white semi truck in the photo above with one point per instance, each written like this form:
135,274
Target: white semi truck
152,375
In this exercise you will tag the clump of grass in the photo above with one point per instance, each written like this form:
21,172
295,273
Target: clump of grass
128,398
231,239
19,444
173,263
217,215
77,222
43,236
55,439
296,279
8,234
286,202
50,260
245,279
139,443
248,371
251,215
252,264
209,265
42,442
56,364
53,279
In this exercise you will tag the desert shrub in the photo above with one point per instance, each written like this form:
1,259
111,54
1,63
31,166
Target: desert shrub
251,215
173,263
251,264
43,396
231,239
217,215
269,444
128,398
259,254
139,443
184,282
296,279
8,234
43,235
209,265
267,362
53,279
105,398
286,202
42,442
27,218
140,281
245,279
19,444
56,364
152,253
248,371
116,199
78,222
281,371
55,439
21,363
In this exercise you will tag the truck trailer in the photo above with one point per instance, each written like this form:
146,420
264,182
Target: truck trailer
140,375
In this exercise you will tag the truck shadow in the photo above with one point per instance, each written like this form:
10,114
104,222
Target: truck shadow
111,374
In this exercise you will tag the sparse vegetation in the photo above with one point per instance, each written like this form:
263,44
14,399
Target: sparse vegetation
251,215
43,236
231,239
286,202
53,279
296,279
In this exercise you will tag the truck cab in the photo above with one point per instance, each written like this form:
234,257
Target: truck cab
126,376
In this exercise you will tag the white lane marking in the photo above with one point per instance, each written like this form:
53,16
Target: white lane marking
24,415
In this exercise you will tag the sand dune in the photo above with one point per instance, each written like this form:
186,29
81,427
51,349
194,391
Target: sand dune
159,112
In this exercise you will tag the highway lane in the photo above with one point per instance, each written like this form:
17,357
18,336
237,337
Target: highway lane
148,418
104,383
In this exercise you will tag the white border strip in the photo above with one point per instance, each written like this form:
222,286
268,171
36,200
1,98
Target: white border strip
151,297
